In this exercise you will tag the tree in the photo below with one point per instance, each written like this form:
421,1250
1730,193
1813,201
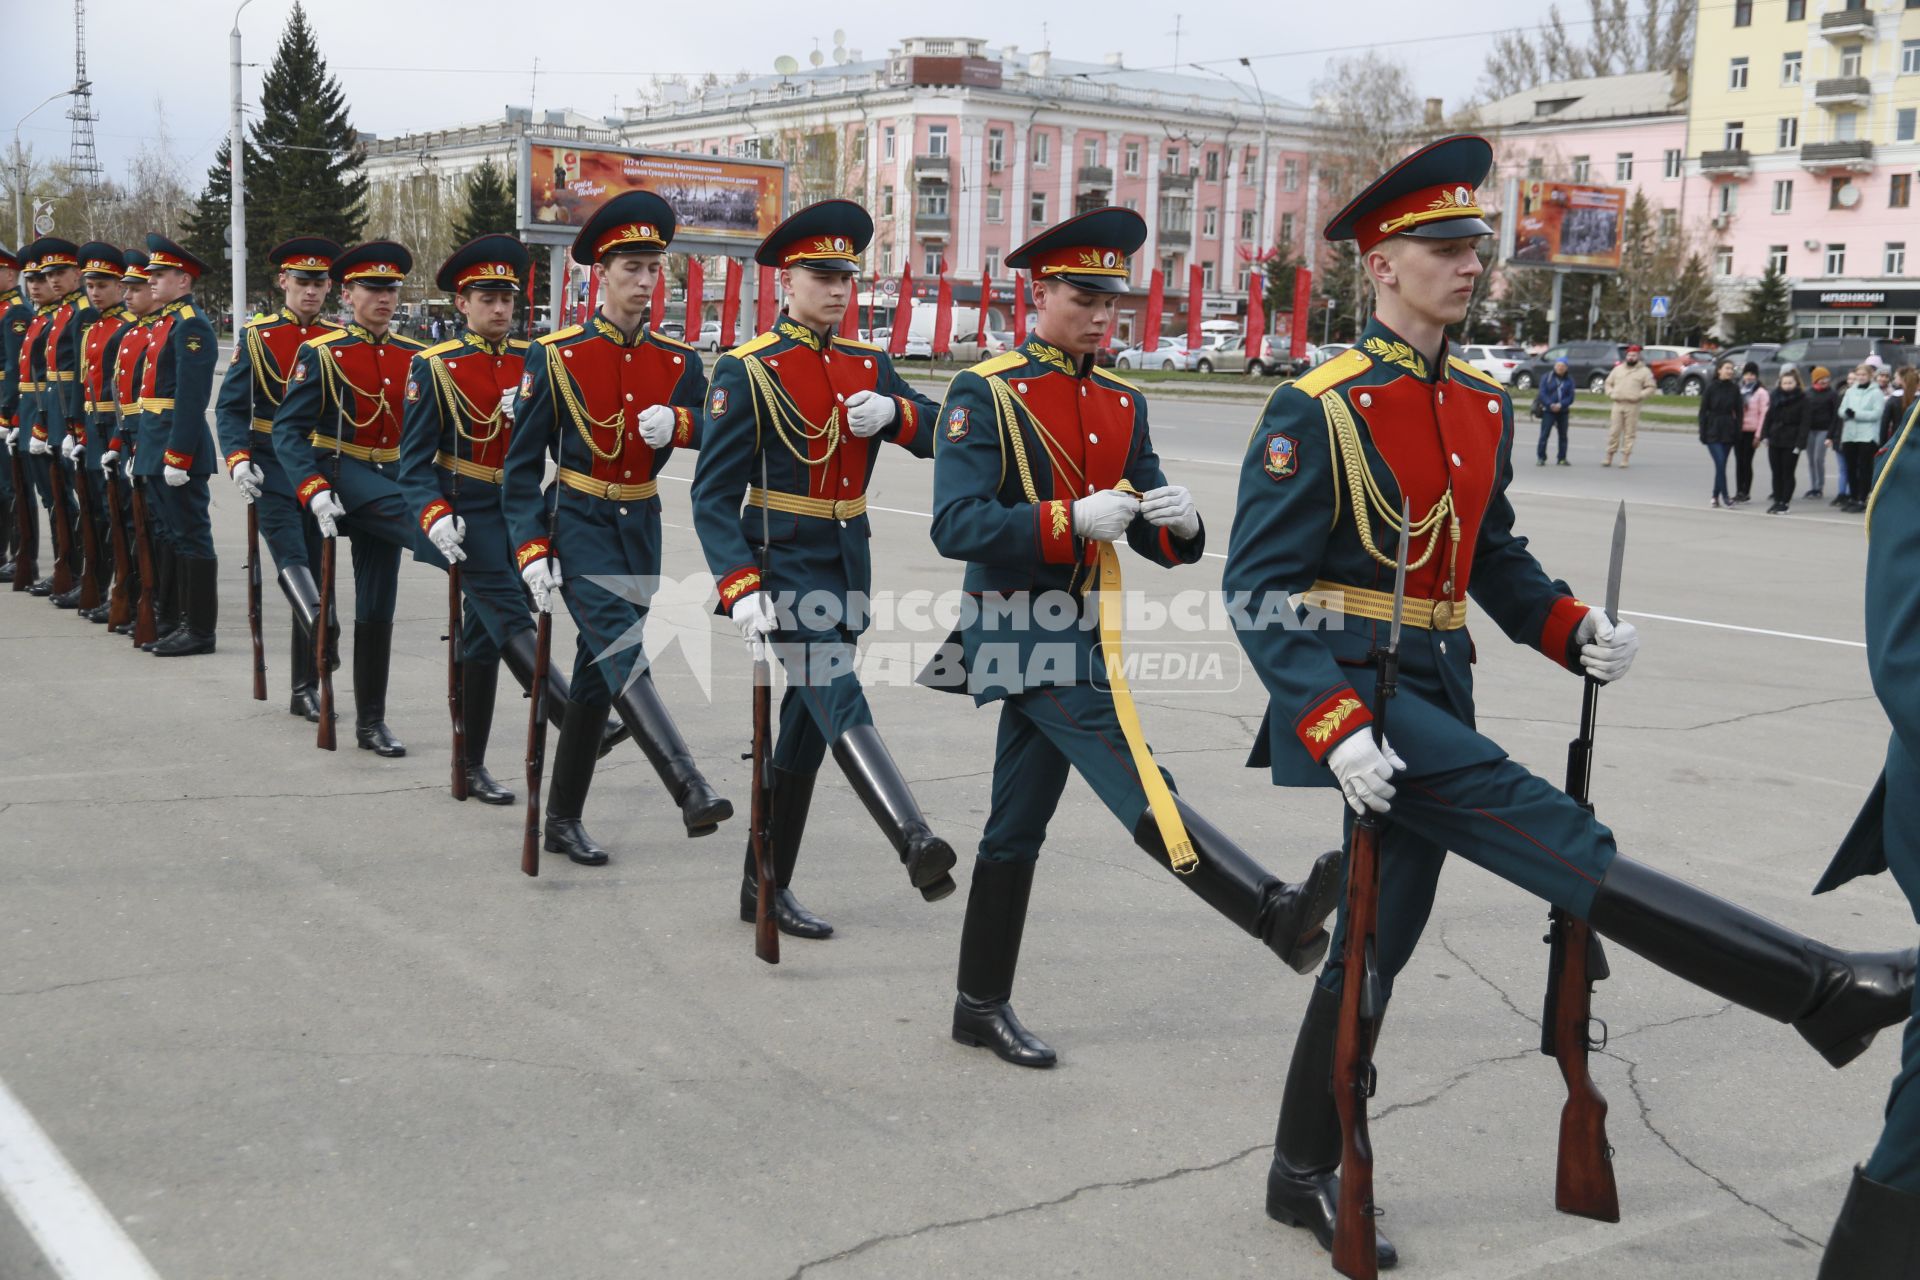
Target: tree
490,208
1279,267
1768,315
1694,309
1617,41
309,179
1626,299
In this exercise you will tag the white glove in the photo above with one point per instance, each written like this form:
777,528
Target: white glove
107,459
1171,507
446,534
67,447
175,477
327,511
10,434
755,617
1365,771
38,447
543,579
1104,516
249,478
1606,648
128,470
869,412
656,425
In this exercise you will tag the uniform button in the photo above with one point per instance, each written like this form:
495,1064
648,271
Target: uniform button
1089,488
629,395
1456,459
827,359
1021,387
676,359
386,382
1092,438
1493,406
867,363
568,354
626,475
839,397
453,364
625,357
845,482
1441,396
1443,646
1124,402
1083,388
774,363
1366,401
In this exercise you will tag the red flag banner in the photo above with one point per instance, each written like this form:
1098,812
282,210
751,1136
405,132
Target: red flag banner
593,297
696,301
943,317
1156,303
850,318
1195,303
986,300
730,305
1302,299
902,313
1019,310
766,302
658,316
1256,316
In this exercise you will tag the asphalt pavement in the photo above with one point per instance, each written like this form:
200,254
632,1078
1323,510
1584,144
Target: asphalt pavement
294,1014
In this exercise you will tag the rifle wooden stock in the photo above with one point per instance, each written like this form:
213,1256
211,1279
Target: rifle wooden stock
253,603
325,738
536,743
62,529
26,561
766,933
456,694
89,539
1354,1246
120,599
146,625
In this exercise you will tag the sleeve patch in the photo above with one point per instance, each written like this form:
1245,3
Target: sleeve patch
413,389
1282,456
717,402
957,422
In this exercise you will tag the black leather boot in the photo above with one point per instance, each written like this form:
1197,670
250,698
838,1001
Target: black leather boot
303,597
702,809
200,581
786,821
1289,918
303,698
372,650
864,758
1877,1236
480,681
9,532
519,652
572,769
989,953
1837,1000
166,593
70,598
1303,1183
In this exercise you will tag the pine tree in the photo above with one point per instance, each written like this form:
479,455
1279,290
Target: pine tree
490,205
1694,308
309,178
1768,315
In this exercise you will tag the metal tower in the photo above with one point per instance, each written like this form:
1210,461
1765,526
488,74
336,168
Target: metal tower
82,160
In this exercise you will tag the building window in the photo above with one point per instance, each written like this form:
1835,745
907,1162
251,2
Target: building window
1669,222
1910,57
1623,166
1209,273
1170,162
1737,74
1582,166
1896,263
1089,152
1037,207
1132,158
886,202
1290,175
1210,221
1790,67
936,140
1836,259
1903,124
1131,202
1213,165
993,262
1243,278
1246,224
1286,228
1166,267
1675,162
1834,188
1742,13
1536,168
886,261
860,146
1796,10
1777,259
1846,126
886,142
931,201
1248,163
1850,60
1899,191
1042,150
1733,136
1723,260
1727,198
995,211
930,259
1789,132
996,149
1783,195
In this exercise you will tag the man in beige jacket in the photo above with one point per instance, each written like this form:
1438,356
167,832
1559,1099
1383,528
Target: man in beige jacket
1627,386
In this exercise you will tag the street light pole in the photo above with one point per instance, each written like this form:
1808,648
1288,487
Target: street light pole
1260,232
237,177
20,170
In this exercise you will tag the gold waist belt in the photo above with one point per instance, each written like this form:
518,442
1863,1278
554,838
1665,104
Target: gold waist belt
794,504
153,404
263,425
358,452
471,470
581,482
1360,602
31,388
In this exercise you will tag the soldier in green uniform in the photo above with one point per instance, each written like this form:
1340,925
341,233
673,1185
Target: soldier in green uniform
15,313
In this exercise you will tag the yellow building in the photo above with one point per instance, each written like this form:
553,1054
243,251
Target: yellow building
1805,120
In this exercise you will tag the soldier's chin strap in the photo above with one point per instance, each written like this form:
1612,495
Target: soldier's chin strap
1166,815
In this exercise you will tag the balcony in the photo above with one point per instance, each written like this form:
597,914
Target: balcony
1843,91
1734,162
1855,154
1176,182
1176,237
1096,175
937,224
939,168
1847,24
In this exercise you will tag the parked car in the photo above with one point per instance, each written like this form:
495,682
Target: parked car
1694,378
1229,355
1588,363
967,351
917,348
709,336
1840,355
676,329
1171,353
1498,363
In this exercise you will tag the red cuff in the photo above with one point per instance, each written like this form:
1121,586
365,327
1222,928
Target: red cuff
310,488
682,427
179,460
737,584
115,444
1562,620
1330,721
40,431
537,549
435,509
237,457
1053,531
907,419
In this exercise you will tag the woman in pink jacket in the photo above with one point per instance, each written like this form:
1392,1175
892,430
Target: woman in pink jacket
1753,416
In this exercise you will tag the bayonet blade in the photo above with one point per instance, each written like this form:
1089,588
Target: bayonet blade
1400,575
1618,560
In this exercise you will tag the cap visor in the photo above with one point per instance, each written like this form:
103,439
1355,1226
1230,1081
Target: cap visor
831,268
1095,284
1451,229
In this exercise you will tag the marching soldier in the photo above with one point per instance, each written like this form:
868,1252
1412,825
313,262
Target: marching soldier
64,404
1874,1238
609,400
176,390
255,385
1318,521
337,435
103,268
129,368
803,412
1044,463
458,422
15,314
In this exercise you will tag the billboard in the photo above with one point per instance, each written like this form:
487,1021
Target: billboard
723,204
1568,224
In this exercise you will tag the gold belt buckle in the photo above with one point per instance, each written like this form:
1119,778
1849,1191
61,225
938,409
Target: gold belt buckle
1442,614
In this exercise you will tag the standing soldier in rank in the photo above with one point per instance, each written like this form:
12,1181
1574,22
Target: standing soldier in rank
103,268
255,384
459,420
15,314
803,412
122,432
65,401
1399,419
28,434
337,435
1044,463
609,401
178,389
59,303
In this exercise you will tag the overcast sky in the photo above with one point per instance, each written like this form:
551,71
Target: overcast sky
418,64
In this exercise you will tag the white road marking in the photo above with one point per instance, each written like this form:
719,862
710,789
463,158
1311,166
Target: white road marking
1757,631
74,1231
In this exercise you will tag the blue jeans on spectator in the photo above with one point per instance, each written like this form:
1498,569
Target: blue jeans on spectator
1720,454
1555,420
